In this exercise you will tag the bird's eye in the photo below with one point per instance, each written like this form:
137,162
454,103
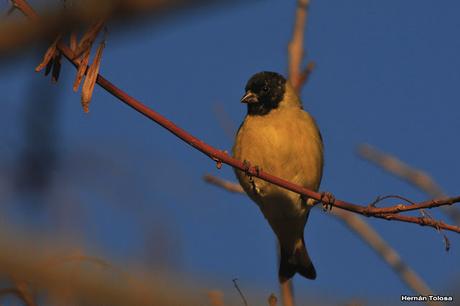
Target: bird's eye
265,88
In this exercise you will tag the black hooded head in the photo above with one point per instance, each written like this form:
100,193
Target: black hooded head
264,91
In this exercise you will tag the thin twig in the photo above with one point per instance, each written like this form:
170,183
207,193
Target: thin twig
392,196
239,291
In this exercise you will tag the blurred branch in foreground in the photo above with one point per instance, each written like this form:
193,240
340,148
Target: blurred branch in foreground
413,176
31,260
15,33
365,232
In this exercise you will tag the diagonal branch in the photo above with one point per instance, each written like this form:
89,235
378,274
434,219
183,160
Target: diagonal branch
389,213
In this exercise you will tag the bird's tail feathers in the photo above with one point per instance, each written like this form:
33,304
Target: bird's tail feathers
295,261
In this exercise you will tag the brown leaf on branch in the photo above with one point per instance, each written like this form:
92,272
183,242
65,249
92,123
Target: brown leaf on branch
49,55
91,77
82,67
48,68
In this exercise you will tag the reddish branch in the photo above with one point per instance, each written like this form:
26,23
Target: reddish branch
389,213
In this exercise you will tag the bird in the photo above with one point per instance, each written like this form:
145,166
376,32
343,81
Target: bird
279,137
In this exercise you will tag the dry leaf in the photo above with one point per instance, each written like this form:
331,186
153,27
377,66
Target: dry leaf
81,69
48,55
91,77
56,66
48,67
88,39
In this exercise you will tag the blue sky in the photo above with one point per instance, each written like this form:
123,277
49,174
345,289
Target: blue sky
387,74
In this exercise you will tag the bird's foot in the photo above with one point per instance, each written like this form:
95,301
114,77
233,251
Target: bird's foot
247,170
328,200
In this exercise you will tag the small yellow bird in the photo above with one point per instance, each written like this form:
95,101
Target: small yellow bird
279,137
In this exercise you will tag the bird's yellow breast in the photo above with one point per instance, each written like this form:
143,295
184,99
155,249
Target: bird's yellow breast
286,143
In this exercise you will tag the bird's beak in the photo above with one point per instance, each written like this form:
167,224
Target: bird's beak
249,98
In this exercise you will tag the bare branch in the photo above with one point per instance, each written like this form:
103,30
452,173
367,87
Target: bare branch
91,76
416,177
